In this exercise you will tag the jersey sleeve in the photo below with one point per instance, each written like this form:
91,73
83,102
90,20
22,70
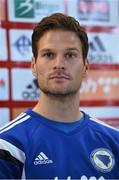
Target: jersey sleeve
115,147
11,160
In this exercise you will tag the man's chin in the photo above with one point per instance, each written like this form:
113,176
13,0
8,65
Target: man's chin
59,94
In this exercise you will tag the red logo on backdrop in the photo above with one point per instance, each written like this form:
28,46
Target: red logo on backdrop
93,10
101,85
2,10
2,83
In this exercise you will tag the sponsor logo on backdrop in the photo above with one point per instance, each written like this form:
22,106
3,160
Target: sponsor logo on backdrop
20,45
90,12
33,10
97,45
95,10
2,11
106,83
100,85
23,45
24,89
2,83
24,8
100,50
3,51
4,91
32,91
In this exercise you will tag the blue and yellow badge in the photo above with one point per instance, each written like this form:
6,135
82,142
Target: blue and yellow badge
102,159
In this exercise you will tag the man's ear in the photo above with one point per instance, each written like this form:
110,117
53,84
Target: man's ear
86,68
33,66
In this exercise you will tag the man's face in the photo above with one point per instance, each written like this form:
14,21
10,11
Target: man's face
59,66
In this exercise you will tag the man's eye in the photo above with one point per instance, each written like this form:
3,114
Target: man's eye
70,55
49,55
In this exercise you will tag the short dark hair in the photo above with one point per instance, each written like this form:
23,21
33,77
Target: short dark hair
59,21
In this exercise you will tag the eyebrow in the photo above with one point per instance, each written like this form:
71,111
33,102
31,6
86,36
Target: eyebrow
68,49
45,50
73,49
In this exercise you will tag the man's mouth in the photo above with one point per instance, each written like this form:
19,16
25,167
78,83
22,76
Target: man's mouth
59,77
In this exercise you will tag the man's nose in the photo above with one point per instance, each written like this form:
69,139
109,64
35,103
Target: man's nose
59,62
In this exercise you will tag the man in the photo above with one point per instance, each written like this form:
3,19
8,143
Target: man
55,140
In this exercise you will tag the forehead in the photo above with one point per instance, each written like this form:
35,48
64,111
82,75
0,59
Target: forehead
59,38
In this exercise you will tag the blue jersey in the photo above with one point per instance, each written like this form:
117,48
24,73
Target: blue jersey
33,147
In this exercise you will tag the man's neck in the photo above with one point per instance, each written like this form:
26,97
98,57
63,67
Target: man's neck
59,109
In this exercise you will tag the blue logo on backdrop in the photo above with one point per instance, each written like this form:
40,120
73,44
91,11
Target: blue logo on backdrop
23,45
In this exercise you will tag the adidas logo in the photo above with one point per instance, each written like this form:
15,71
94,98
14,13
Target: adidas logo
97,45
42,159
32,91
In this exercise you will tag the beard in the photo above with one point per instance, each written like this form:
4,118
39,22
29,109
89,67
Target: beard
59,93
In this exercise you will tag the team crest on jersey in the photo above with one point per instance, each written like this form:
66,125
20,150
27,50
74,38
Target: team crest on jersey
102,159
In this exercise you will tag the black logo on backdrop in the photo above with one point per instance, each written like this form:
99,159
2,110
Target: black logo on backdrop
98,53
32,91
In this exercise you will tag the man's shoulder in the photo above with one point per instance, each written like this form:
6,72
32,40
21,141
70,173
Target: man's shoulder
18,133
16,123
100,126
20,129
